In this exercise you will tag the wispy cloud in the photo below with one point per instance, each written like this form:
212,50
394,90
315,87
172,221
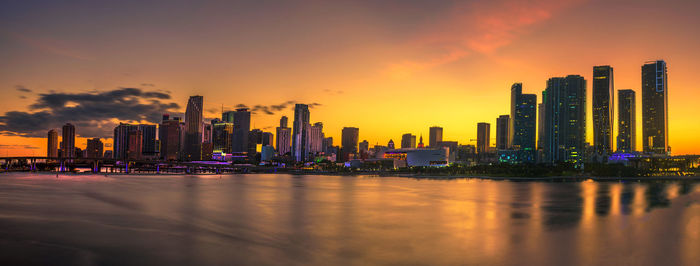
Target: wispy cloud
22,88
476,27
274,108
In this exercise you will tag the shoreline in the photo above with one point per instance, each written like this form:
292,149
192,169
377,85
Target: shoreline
407,175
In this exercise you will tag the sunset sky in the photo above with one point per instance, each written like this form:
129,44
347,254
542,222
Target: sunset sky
387,67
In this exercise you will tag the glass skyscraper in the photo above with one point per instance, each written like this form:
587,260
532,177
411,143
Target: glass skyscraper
627,125
300,132
565,119
194,117
655,107
603,99
523,123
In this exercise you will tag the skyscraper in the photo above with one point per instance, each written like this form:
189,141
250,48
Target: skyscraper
565,119
627,124
655,107
540,123
149,144
408,141
502,132
284,135
52,144
135,146
241,130
68,141
523,121
603,100
390,145
194,117
435,136
267,139
483,134
316,138
300,132
349,141
121,140
222,134
170,135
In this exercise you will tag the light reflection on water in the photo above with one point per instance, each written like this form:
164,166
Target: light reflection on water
326,220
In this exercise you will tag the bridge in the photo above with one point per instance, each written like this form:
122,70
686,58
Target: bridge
111,165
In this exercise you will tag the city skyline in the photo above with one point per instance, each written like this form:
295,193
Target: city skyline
396,83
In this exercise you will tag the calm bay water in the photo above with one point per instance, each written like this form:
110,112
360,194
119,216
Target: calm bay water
332,220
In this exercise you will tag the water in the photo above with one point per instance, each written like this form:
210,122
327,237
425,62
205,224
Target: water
332,220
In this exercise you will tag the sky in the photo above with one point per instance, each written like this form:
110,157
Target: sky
387,67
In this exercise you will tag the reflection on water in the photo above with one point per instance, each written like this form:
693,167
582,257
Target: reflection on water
327,220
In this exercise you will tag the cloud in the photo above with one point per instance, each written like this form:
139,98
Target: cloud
18,147
148,84
22,88
93,113
274,108
475,27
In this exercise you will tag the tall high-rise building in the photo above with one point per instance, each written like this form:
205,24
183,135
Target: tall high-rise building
408,140
194,116
565,119
523,123
435,136
121,140
150,143
254,141
52,144
316,138
94,148
267,139
170,135
502,132
300,132
540,123
222,134
483,134
68,141
363,149
135,146
284,137
655,107
603,100
391,145
328,146
241,130
627,121
349,141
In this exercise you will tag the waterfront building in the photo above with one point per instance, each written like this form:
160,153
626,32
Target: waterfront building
150,143
523,121
483,135
435,136
603,114
627,124
408,140
300,132
316,138
241,130
134,146
565,119
194,117
52,144
655,108
502,132
349,141
222,135
170,134
94,148
68,141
